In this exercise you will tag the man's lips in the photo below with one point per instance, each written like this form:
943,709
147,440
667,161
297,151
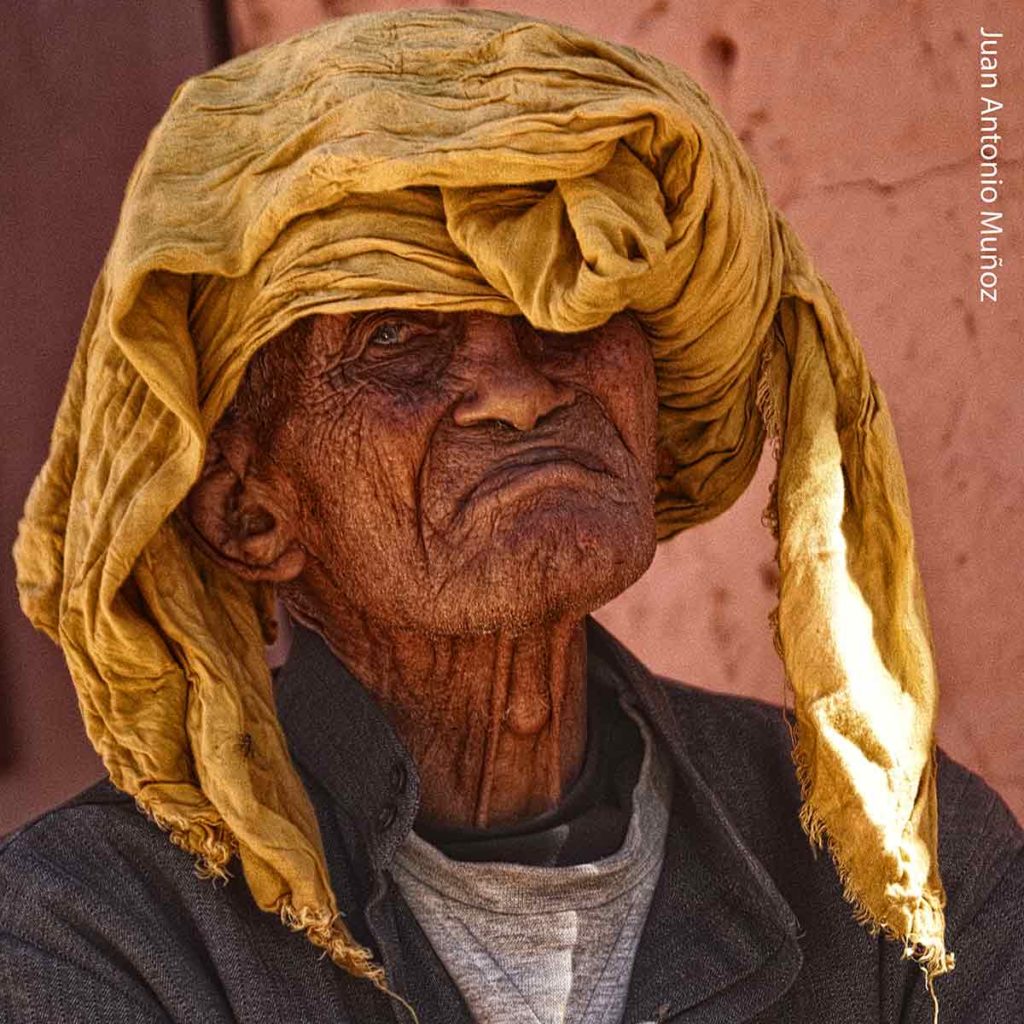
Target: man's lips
541,465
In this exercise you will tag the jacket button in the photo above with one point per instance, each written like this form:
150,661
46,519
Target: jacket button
386,817
399,777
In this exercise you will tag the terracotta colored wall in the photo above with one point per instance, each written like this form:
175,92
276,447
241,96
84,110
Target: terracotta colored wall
863,120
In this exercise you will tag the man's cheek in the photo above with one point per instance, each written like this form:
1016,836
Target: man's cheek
377,449
626,391
633,388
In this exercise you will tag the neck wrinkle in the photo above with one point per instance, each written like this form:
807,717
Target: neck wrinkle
495,723
503,652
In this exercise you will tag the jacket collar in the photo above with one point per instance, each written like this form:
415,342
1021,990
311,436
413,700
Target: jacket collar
720,940
341,738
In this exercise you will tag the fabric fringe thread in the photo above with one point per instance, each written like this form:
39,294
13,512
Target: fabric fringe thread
325,931
212,846
765,399
771,417
933,958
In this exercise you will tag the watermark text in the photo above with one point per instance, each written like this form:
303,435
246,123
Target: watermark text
990,228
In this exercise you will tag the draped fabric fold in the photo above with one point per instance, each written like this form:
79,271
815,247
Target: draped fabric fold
469,160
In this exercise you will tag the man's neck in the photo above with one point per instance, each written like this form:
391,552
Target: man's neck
495,723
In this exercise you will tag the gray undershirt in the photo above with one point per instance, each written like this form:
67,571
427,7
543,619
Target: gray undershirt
533,944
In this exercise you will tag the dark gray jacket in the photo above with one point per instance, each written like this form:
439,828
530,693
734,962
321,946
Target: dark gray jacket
102,920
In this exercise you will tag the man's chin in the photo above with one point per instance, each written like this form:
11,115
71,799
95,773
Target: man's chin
540,581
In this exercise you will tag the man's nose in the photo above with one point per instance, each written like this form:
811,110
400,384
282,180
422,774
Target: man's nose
502,382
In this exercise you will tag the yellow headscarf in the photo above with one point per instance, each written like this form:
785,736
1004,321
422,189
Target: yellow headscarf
468,160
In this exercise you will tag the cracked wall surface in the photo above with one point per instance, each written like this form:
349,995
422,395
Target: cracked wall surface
864,121
863,118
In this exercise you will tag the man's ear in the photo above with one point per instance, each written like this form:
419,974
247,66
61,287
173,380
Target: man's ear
243,514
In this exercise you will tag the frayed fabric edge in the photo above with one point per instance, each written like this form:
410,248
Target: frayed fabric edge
325,931
212,845
928,952
213,848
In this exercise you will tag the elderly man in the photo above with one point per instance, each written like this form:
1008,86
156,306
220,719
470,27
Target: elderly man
428,326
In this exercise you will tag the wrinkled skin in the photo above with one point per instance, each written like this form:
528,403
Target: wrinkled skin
444,497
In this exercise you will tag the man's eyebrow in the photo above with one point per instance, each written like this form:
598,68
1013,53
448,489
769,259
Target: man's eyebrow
424,315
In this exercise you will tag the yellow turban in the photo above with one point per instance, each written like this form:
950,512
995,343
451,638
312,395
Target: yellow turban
467,160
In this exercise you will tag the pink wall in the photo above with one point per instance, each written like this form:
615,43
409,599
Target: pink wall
863,118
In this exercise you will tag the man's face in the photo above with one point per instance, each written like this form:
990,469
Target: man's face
463,472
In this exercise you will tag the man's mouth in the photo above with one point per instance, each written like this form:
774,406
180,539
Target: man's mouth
537,467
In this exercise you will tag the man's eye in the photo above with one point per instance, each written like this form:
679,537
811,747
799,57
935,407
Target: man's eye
390,329
397,332
389,333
